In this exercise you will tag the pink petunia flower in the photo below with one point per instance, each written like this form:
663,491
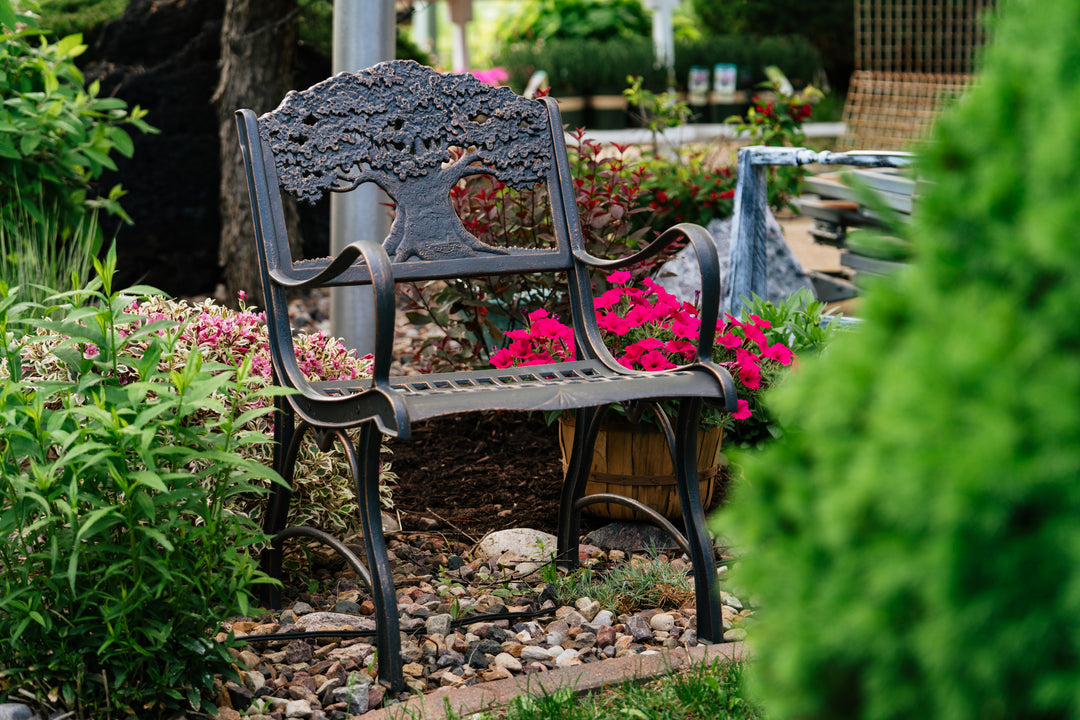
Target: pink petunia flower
742,412
779,352
655,360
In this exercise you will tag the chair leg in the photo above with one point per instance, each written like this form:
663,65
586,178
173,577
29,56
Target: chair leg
288,439
586,428
365,469
683,445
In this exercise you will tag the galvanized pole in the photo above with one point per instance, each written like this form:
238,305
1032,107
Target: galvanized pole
363,36
664,36
461,14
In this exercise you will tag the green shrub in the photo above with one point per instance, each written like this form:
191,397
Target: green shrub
322,485
914,545
585,67
56,136
828,24
577,20
69,17
118,556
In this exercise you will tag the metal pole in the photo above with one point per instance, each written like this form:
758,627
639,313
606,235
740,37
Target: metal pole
461,14
363,36
663,33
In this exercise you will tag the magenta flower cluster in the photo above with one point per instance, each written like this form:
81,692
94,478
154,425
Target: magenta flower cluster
651,330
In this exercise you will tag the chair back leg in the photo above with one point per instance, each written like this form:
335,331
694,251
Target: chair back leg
586,428
287,438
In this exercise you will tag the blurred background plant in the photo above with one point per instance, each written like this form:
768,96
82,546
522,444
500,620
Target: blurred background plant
932,469
36,257
603,20
656,111
777,119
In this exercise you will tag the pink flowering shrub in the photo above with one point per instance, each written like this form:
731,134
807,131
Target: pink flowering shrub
493,76
322,488
651,330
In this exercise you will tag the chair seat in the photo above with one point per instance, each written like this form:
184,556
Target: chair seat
556,386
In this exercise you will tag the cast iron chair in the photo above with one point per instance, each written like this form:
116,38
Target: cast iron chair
395,124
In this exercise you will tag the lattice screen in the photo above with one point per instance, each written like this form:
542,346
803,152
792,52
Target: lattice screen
911,57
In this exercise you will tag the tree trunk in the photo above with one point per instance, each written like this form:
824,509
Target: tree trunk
258,48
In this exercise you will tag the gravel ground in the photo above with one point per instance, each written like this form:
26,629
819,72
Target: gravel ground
440,589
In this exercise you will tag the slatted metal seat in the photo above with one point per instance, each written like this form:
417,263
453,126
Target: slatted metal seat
415,133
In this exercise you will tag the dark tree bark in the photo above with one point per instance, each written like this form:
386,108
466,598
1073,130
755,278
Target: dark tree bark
258,50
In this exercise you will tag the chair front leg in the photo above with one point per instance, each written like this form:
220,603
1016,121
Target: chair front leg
684,459
365,469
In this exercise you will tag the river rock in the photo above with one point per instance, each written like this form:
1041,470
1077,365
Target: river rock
528,544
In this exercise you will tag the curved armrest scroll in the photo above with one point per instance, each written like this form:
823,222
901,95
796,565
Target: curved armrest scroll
708,257
380,270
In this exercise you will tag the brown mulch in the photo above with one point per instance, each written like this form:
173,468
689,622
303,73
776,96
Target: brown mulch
466,475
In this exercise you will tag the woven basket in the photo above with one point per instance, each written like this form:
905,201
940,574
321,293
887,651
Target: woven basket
634,461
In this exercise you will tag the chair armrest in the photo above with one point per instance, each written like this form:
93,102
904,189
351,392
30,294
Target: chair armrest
708,256
381,273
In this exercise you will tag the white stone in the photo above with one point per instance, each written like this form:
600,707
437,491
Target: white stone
535,652
298,709
359,652
529,544
662,622
508,661
438,624
587,607
730,600
604,617
253,680
526,569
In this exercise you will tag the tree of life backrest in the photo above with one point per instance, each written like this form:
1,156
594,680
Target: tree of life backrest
415,133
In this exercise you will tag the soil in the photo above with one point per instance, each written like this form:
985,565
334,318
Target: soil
466,475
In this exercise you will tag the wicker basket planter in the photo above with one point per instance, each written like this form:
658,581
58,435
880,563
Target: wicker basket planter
634,461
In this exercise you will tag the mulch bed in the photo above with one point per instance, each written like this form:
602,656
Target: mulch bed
466,475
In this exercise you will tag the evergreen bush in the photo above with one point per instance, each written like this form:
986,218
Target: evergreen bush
915,545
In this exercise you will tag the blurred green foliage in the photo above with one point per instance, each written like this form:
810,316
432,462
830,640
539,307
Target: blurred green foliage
537,20
580,67
828,24
913,539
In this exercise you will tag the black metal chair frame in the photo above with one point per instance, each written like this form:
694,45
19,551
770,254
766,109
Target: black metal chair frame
395,124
